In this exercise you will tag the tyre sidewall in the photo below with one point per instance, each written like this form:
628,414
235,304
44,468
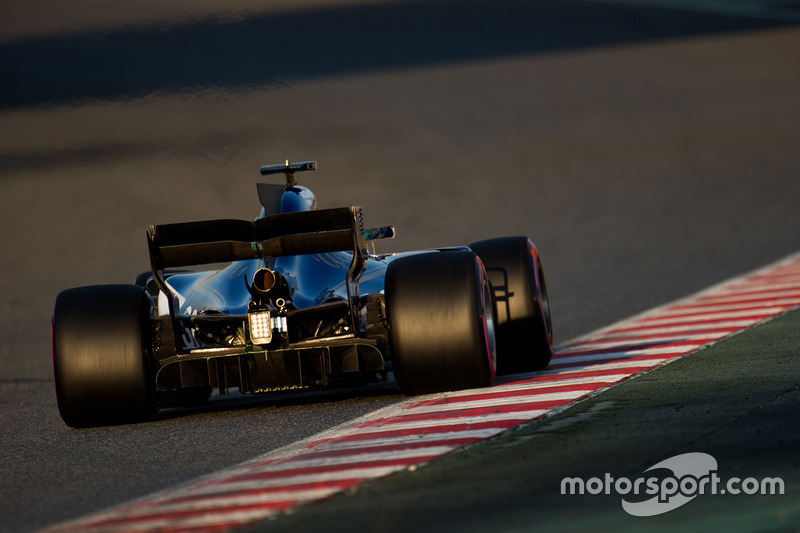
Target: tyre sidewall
436,322
521,304
102,362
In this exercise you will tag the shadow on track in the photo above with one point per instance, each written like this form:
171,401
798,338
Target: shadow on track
278,49
236,402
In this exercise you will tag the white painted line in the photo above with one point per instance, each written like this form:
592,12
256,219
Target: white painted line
616,365
450,426
650,339
565,358
708,314
455,404
219,504
635,330
400,440
234,486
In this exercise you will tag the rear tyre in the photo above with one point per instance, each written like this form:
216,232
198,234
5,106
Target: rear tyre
102,361
521,305
441,324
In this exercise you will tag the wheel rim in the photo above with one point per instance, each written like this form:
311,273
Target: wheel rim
488,324
541,291
545,301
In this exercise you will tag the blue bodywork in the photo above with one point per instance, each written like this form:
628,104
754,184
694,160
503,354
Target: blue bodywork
313,279
327,307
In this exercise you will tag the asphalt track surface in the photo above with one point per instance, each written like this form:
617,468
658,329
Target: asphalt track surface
648,156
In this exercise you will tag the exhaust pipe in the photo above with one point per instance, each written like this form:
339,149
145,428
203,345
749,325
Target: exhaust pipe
268,285
264,281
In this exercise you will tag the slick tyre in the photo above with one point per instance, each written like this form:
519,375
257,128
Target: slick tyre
441,322
521,306
102,361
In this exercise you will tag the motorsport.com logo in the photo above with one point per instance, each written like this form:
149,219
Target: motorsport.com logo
693,474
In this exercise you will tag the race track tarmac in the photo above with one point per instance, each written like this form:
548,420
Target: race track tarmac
648,157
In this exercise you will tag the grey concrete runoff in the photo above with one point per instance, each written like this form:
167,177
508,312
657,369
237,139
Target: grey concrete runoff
737,401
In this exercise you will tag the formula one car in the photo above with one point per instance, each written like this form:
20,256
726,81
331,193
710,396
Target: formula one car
300,301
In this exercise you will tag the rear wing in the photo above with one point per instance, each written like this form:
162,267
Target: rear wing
306,232
217,241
